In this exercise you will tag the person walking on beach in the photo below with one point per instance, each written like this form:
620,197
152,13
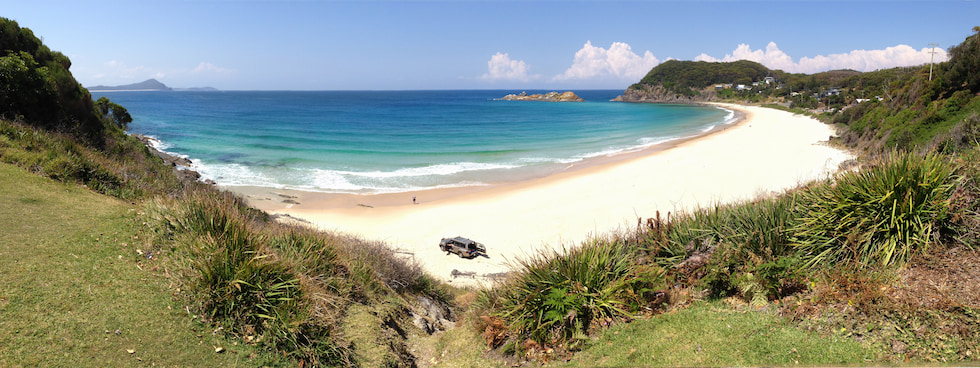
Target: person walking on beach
413,200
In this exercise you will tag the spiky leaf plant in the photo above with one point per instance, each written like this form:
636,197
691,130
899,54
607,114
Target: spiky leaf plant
555,297
879,216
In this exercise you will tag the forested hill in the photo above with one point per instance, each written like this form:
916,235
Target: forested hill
700,81
906,107
676,80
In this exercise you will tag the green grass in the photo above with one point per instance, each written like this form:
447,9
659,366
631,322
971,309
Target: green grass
71,272
125,168
713,334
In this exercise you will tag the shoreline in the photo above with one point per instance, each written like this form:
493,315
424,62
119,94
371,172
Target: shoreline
265,198
764,152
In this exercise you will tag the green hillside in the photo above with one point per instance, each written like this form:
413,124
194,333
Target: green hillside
690,77
876,111
75,292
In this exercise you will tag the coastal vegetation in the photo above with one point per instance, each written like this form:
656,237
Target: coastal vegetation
263,292
872,266
925,107
853,253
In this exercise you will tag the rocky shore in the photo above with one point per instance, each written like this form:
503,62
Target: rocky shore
659,94
180,164
568,96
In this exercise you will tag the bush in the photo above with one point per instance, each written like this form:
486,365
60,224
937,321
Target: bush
741,248
879,216
555,298
236,278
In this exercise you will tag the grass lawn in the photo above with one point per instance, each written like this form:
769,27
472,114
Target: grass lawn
74,291
713,334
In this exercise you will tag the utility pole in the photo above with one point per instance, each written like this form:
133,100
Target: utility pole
931,58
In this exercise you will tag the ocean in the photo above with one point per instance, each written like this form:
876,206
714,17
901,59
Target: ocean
397,141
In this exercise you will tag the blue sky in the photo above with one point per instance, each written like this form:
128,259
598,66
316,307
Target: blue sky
406,45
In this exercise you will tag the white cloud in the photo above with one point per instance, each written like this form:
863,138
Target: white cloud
860,60
619,62
205,67
123,73
501,67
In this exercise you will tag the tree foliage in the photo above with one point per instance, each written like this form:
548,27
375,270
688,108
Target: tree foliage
684,77
916,111
964,64
36,87
113,112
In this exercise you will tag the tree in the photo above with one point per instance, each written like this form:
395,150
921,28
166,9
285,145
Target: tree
113,113
964,64
25,90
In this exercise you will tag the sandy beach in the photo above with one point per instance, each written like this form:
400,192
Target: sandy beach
767,151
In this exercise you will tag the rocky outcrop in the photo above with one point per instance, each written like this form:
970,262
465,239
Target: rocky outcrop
568,96
181,165
659,94
433,316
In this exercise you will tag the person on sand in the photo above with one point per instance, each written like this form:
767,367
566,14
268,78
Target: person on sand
413,200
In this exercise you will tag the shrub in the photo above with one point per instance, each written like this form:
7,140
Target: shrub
879,216
237,276
727,248
557,297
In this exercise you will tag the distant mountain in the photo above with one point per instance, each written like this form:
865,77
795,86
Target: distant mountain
147,85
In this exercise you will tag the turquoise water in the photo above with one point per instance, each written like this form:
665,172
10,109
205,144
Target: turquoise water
391,141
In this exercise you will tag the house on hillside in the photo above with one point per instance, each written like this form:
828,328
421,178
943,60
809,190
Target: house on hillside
831,92
769,80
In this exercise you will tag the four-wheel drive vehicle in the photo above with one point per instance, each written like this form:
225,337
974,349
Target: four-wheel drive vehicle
463,247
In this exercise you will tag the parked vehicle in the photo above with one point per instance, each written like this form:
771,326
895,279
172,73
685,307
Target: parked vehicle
463,247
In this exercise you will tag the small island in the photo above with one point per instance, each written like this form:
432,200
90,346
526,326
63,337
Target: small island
568,96
147,85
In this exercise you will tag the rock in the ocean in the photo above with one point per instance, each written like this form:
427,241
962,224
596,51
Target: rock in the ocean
568,96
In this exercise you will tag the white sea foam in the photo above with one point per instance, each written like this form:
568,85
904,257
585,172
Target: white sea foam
730,117
334,181
159,145
440,169
526,161
643,143
337,182
233,174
